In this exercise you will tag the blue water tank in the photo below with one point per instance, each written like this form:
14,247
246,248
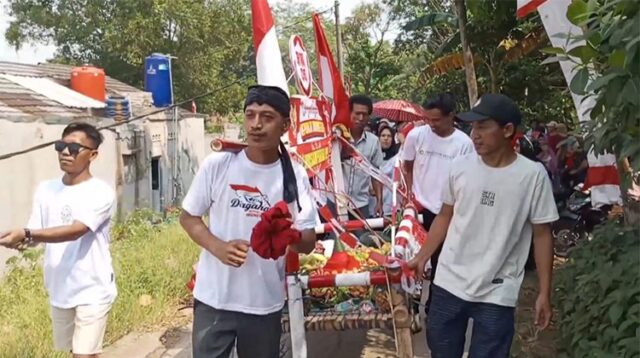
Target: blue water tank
158,79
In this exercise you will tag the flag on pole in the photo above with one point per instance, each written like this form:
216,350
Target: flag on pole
602,174
525,7
330,81
265,43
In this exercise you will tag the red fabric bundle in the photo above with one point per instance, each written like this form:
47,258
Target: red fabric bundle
273,233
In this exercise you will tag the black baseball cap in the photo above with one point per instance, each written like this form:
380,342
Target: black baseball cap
493,106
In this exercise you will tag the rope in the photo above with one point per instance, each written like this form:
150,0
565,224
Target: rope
117,124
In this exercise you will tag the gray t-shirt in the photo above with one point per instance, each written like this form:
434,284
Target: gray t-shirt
356,181
489,237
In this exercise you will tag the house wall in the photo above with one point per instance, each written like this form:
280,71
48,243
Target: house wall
157,140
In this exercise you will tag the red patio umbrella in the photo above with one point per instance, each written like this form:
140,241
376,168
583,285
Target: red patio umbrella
398,110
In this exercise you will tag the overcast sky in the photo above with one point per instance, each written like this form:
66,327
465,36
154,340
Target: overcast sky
41,52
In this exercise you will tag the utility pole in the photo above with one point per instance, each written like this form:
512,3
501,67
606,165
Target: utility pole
336,7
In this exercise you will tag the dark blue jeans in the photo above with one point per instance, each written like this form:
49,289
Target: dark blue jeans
493,327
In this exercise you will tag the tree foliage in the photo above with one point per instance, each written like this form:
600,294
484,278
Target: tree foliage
598,295
493,30
608,62
211,40
371,65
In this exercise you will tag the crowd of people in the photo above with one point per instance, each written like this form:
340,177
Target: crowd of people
488,192
481,202
552,144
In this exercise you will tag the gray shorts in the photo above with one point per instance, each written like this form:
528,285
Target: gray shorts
216,332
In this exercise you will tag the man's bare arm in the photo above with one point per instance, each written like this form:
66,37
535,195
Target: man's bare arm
232,253
308,242
60,233
407,171
543,254
436,237
199,232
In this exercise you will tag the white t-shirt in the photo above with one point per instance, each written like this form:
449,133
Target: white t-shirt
489,236
76,272
235,192
432,155
387,202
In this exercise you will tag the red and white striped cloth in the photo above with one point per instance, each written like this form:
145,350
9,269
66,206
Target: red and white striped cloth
525,7
603,180
265,43
372,278
410,237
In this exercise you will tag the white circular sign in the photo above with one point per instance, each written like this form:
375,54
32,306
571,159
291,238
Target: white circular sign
300,65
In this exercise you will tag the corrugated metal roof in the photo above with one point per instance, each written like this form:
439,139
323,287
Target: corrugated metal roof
62,75
55,91
17,101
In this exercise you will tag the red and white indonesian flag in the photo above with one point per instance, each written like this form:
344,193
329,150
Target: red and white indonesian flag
329,76
602,175
265,43
525,7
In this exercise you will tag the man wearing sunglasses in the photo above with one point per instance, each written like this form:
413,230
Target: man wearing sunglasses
71,216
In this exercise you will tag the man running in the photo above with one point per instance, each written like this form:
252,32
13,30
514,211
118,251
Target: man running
427,156
71,216
493,203
239,296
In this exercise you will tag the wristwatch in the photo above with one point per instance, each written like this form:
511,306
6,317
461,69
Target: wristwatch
28,239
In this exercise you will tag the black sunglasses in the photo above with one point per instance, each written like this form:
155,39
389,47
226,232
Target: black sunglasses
74,148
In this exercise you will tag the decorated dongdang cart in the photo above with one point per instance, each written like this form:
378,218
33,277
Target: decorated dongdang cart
343,284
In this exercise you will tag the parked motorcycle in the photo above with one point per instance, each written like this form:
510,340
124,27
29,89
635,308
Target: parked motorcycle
577,221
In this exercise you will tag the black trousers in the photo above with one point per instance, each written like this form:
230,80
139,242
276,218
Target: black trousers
427,220
216,332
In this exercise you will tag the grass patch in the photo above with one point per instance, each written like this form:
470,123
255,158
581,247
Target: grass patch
152,264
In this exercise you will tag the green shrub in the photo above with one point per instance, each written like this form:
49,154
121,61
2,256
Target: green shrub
598,295
152,264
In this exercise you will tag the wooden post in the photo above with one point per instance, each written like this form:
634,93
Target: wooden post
469,69
402,319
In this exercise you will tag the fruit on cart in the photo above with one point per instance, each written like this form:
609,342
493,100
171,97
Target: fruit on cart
312,262
382,300
340,260
326,294
361,292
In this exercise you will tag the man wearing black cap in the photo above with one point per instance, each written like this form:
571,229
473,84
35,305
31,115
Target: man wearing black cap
493,203
238,295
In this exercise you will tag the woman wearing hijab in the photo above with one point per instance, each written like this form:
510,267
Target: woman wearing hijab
390,153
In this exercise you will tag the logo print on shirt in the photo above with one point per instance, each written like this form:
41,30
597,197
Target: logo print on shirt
488,198
66,215
250,199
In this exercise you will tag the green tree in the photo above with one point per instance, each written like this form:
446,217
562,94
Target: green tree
296,19
503,48
607,57
211,40
371,65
